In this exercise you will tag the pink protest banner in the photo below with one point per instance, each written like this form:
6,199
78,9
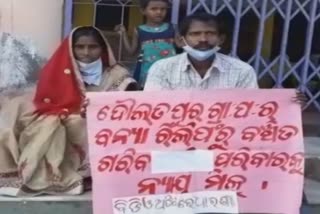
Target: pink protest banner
225,151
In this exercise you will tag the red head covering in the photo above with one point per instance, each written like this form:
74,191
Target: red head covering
60,89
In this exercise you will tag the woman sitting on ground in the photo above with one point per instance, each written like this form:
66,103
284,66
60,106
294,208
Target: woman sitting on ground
43,142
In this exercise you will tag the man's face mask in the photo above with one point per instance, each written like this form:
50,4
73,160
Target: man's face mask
200,55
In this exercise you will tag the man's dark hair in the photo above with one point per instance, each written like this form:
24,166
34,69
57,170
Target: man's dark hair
184,26
144,3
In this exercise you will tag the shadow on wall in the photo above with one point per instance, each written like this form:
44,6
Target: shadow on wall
19,63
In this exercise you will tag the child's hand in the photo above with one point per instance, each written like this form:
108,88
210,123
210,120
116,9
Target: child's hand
120,29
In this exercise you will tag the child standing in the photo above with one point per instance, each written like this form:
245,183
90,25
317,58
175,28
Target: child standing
154,40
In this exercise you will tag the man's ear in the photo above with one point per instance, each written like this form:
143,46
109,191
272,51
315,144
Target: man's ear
222,39
179,41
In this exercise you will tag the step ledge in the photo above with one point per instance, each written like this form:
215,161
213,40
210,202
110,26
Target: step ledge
86,197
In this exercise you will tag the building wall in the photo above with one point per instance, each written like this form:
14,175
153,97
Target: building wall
39,20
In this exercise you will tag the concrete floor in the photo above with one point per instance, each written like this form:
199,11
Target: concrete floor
46,208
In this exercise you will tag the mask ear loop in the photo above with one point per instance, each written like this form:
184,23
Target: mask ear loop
185,42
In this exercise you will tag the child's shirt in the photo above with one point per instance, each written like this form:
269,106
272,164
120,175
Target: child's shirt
156,43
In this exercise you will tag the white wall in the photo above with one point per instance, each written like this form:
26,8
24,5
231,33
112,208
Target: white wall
39,20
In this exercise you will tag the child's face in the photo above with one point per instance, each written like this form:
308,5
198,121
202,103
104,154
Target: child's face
156,11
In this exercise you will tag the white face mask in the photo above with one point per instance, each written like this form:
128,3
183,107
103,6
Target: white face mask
91,72
200,55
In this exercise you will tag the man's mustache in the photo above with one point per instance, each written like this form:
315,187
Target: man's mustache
204,46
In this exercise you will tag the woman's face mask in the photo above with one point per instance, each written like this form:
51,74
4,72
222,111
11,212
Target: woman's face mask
91,72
